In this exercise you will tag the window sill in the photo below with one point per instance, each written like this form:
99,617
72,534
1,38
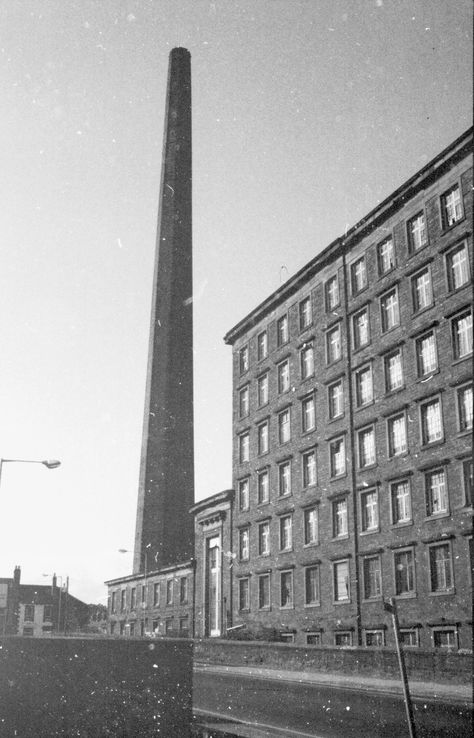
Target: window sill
413,252
386,331
406,596
356,349
401,455
368,600
365,405
404,524
336,417
462,358
342,602
312,604
345,537
444,592
466,432
448,228
423,310
437,516
427,377
311,545
370,532
390,393
338,477
432,444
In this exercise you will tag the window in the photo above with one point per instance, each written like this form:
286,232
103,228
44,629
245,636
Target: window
445,637
397,435
426,354
169,591
133,600
311,526
244,594
336,400
409,637
343,638
48,613
386,256
287,637
308,414
333,344
244,447
29,613
244,535
431,421
332,293
372,570
369,511
389,310
464,396
374,638
401,502
309,468
262,438
264,538
364,386
284,478
339,518
264,592
358,276
282,330
337,456
183,590
243,402
184,625
393,368
313,639
284,426
156,594
286,533
123,600
404,572
286,589
243,359
441,567
168,626
436,492
417,234
451,207
468,483
262,390
457,267
113,603
360,328
283,376
307,361
462,335
305,313
263,491
28,630
262,345
366,447
311,585
421,290
143,595
244,496
341,581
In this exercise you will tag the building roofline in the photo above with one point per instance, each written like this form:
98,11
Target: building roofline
224,496
153,572
394,201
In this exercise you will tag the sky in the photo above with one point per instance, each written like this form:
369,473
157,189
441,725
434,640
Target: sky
306,114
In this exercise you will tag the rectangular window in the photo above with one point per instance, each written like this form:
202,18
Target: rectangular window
286,533
113,603
468,481
332,293
451,207
243,359
389,310
244,447
48,613
336,399
360,329
372,569
308,414
436,493
262,390
409,637
156,594
132,629
264,538
457,267
417,234
283,376
284,478
421,290
184,625
133,599
343,638
143,596
311,589
366,447
263,487
311,526
441,567
404,572
341,581
262,438
168,626
309,468
375,638
393,368
445,638
29,613
123,600
386,256
244,402
244,594
369,511
183,590
244,536
169,591
284,426
262,345
462,335
333,344
282,330
431,421
401,502
337,456
264,591
426,354
286,589
339,518
244,494
305,313
464,397
358,276
397,435
364,386
313,639
307,361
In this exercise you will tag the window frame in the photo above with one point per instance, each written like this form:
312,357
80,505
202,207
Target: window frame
445,629
426,335
357,341
282,466
449,587
455,320
463,417
263,473
244,402
244,447
308,413
284,426
332,386
337,600
244,359
379,633
263,437
264,541
365,527
244,494
450,271
316,601
334,474
305,315
311,527
367,588
327,293
417,305
244,543
309,479
290,603
423,417
367,429
262,345
410,239
392,453
354,279
263,384
340,523
446,224
410,592
285,535
380,258
244,594
265,577
282,330
386,325
283,376
442,493
358,385
387,370
307,366
330,357
407,502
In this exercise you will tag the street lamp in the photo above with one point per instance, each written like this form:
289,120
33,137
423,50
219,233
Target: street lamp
48,463
144,601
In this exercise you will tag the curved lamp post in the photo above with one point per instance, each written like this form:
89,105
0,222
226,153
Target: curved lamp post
48,463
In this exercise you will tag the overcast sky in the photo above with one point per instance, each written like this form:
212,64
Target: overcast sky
306,113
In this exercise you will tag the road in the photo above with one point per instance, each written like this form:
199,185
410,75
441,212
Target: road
322,711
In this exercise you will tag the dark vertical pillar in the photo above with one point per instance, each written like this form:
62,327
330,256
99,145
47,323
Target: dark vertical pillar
164,528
